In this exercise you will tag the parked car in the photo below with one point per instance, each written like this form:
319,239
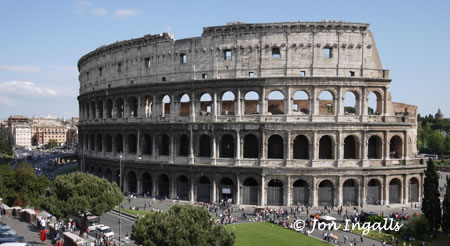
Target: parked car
10,231
10,238
16,244
104,231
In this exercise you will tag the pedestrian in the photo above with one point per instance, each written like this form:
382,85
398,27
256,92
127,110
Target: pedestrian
345,238
43,236
362,238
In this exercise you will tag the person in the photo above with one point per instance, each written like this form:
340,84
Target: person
362,238
345,238
43,236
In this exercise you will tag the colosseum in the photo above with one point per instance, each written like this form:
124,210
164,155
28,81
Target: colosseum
268,114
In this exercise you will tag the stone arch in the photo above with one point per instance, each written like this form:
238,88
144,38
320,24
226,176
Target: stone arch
204,146
206,104
350,192
164,145
99,143
228,103
326,147
275,102
163,185
92,142
326,193
185,105
227,146
351,102
300,192
374,192
351,147
226,188
301,102
375,147
108,175
92,116
109,109
326,103
132,182
375,102
301,147
250,190
413,190
251,146
108,143
396,147
99,172
120,110
182,183
147,145
132,144
147,184
132,106
92,170
148,106
251,102
203,189
100,109
165,105
275,147
183,145
395,186
275,192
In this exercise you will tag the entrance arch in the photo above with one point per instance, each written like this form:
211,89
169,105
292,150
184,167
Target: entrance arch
147,184
226,189
132,182
163,186
301,147
394,191
275,147
183,188
300,193
203,189
250,192
413,190
326,193
373,192
275,192
350,193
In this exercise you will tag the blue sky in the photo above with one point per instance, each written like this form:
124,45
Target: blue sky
41,41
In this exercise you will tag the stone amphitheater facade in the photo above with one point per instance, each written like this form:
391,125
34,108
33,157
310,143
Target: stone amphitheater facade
239,113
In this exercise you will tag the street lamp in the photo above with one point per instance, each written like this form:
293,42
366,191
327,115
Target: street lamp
121,163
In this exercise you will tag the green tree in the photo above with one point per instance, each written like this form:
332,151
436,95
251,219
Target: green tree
52,144
182,225
431,206
436,142
417,227
5,144
83,193
446,209
447,145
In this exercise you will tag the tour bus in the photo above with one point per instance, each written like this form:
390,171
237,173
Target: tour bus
93,221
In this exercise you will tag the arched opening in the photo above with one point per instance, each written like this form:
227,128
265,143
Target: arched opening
165,105
227,106
163,186
394,191
205,104
350,148
275,147
132,104
375,103
86,111
350,193
119,108
413,190
119,143
250,192
132,182
92,116
100,109
164,145
301,103
147,184
92,142
275,104
109,109
326,193
301,147
204,146
300,193
183,145
99,172
325,148
227,146
275,192
92,170
108,175
351,106
375,148
203,189
185,105
373,192
251,146
108,143
251,103
326,103
99,143
396,147
147,144
182,187
148,106
226,189
132,144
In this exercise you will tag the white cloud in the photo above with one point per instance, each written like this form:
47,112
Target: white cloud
99,11
23,68
127,12
27,88
65,68
83,3
6,101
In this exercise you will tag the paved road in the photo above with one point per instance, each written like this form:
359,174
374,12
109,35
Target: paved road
112,221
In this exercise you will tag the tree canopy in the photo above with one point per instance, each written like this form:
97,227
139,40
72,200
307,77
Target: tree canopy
83,193
52,144
431,206
182,225
446,209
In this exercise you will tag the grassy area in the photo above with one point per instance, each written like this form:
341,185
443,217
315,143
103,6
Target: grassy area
62,171
443,163
265,233
135,212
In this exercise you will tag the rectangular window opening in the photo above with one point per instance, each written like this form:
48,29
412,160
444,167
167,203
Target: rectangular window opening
100,71
204,76
163,79
183,58
147,62
227,55
302,73
251,74
109,85
119,67
328,52
351,73
276,53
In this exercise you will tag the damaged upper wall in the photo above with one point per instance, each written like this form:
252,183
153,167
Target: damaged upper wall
236,50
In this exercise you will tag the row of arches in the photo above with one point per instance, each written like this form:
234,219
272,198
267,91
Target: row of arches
300,190
301,103
251,146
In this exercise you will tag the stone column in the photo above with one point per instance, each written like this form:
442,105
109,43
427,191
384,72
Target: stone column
191,146
288,152
364,110
139,183
238,106
288,104
339,147
237,160
172,187
288,192
192,107
139,113
156,109
363,192
237,199
172,148
315,195
263,155
191,190
385,102
214,189
104,109
314,148
386,190
405,147
405,190
262,197
339,187
340,102
114,108
213,149
214,108
139,142
314,101
363,147
263,109
386,146
155,186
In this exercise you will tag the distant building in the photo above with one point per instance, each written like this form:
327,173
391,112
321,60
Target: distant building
17,120
22,136
439,115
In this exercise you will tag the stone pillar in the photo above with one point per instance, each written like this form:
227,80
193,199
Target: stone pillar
126,110
104,109
263,109
191,147
237,199
213,149
172,187
405,146
214,189
386,146
172,148
314,148
385,102
237,160
114,109
364,104
139,142
339,186
139,183
139,113
339,147
314,192
156,109
288,152
287,201
288,103
214,108
155,186
405,190
263,151
386,190
191,190
314,102
262,197
363,193
340,102
364,147
192,107
238,106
